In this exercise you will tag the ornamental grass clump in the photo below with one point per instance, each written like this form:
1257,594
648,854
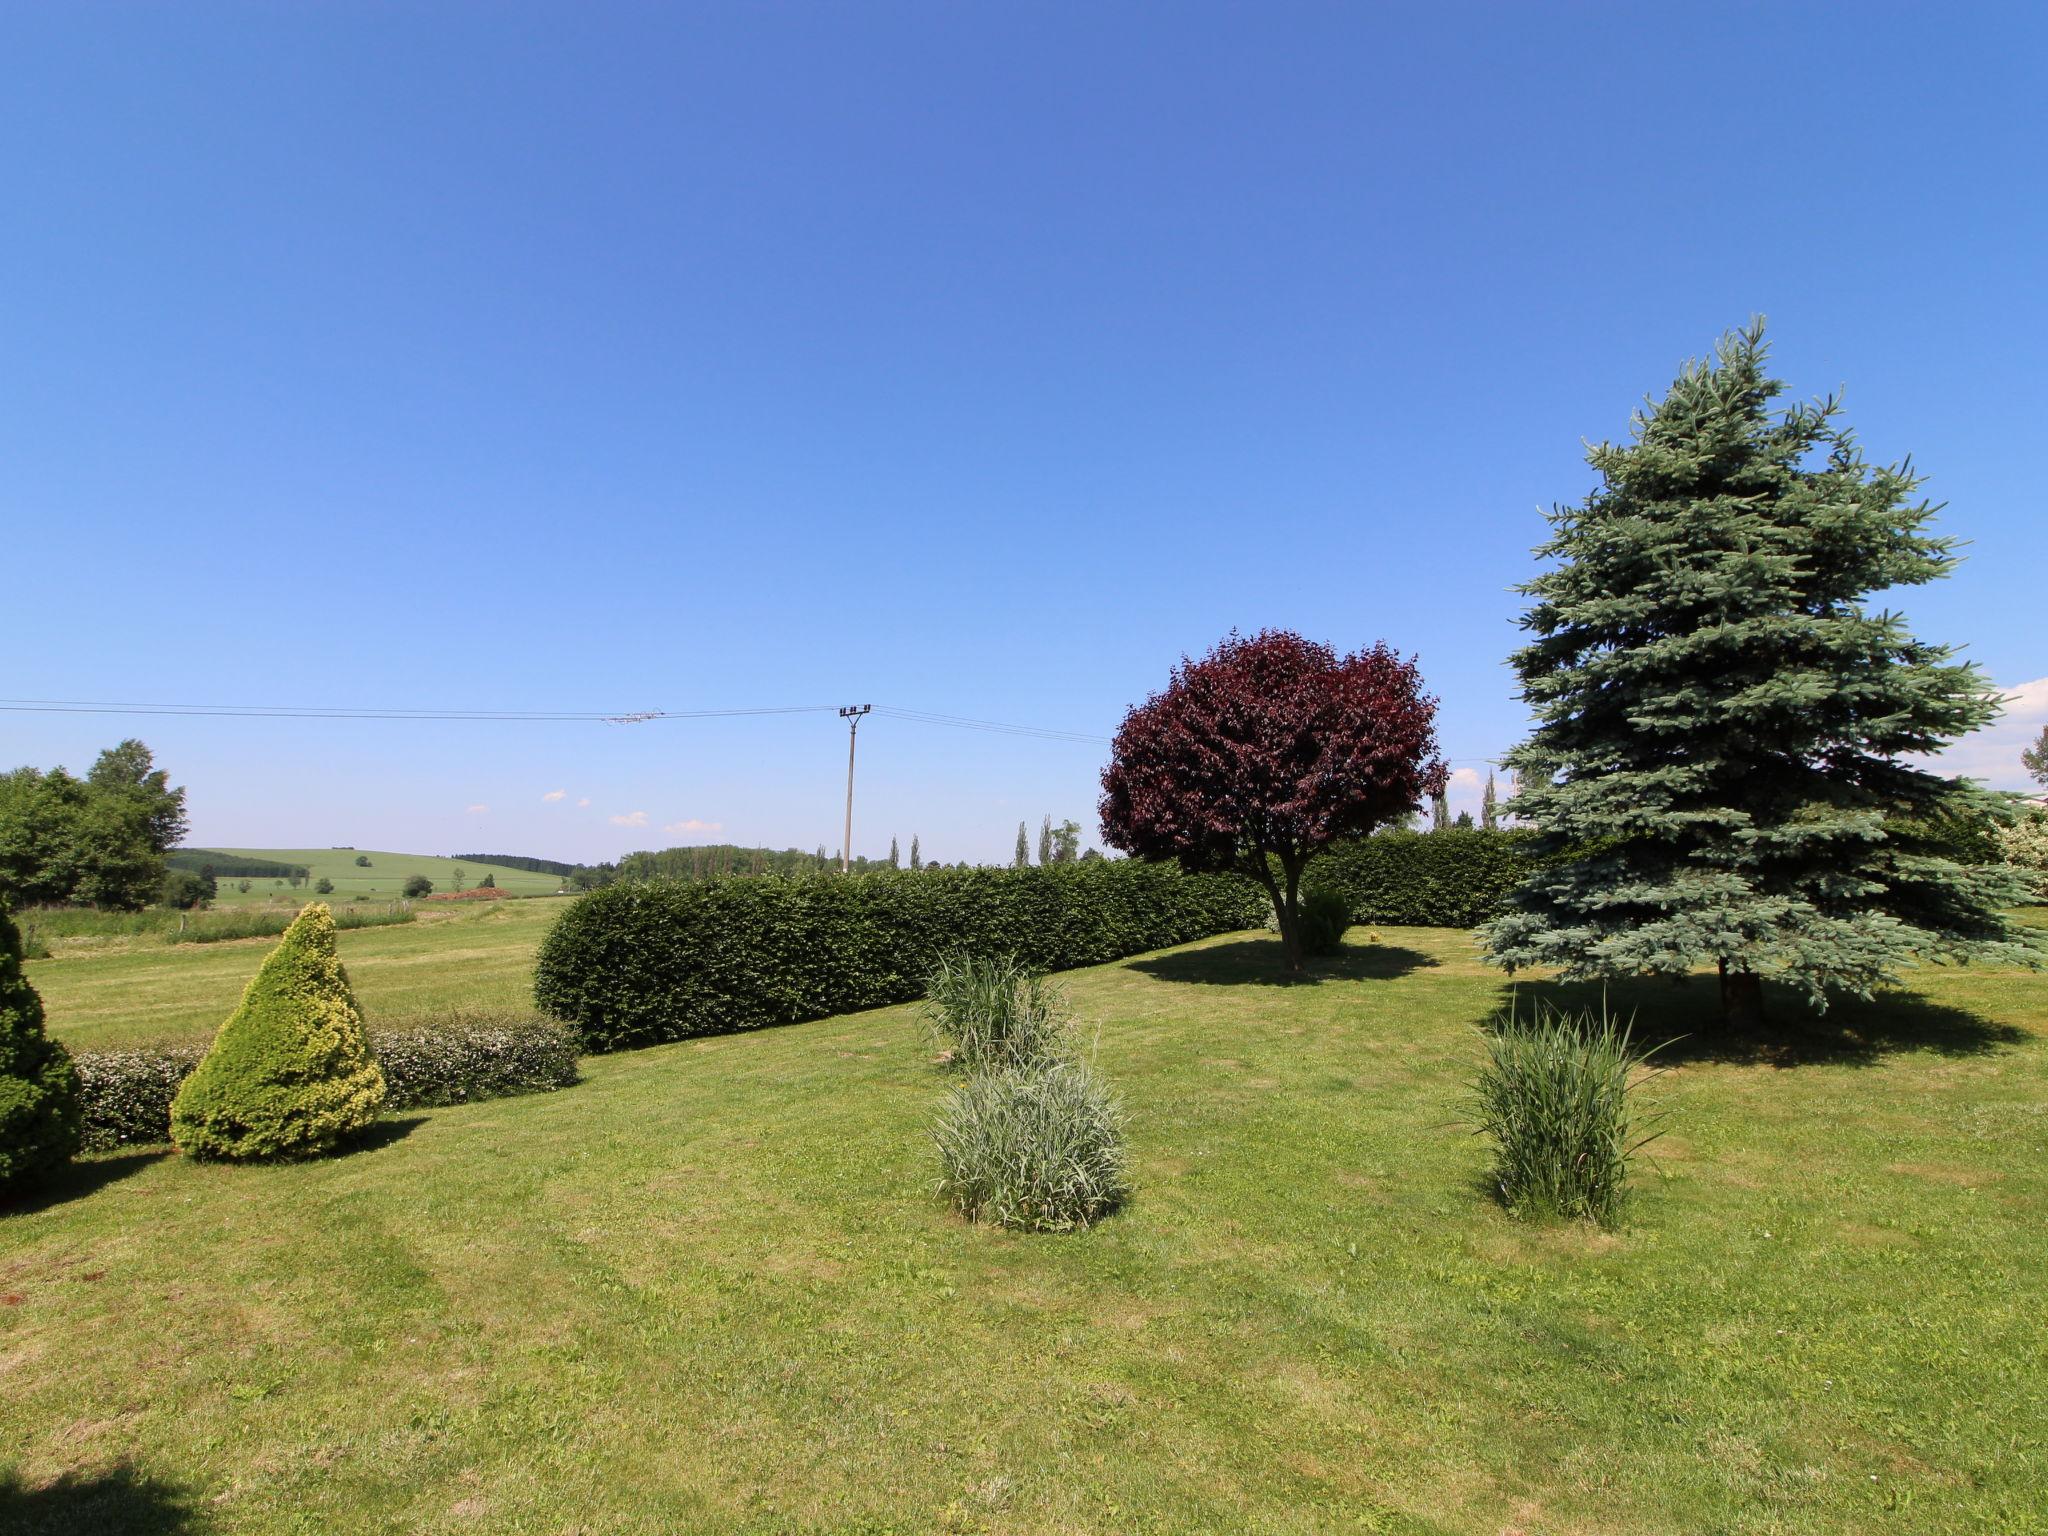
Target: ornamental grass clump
1556,1095
290,1074
1037,1147
993,1011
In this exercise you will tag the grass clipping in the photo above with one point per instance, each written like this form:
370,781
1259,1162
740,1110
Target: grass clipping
290,1074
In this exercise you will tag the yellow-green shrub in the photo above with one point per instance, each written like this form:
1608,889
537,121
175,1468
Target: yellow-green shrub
290,1073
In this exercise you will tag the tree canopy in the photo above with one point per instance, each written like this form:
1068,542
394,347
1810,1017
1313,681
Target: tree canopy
98,841
1722,769
1265,751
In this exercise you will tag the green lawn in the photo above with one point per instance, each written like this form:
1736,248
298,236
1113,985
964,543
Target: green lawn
708,1290
384,880
132,993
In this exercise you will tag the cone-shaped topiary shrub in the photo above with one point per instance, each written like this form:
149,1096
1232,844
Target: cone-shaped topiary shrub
290,1073
39,1117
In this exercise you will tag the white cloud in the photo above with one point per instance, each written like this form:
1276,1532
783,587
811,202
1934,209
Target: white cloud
584,803
1467,777
556,794
631,819
692,824
1993,754
478,810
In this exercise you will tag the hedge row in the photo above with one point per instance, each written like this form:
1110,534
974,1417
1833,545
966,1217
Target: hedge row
1457,878
454,1059
640,963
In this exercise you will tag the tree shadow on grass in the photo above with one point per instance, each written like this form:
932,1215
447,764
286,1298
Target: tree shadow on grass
117,1502
1682,1019
1262,963
77,1179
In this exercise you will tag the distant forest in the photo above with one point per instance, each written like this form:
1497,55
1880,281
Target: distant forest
553,867
230,866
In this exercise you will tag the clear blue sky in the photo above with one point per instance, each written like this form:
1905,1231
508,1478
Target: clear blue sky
971,358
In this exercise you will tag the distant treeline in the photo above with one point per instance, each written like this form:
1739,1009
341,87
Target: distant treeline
709,861
229,866
553,867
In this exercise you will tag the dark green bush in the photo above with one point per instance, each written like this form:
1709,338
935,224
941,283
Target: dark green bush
38,1081
1457,878
640,963
418,885
457,1057
1325,914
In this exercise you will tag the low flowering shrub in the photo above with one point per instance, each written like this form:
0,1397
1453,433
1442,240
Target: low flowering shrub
464,1055
452,1058
1037,1147
126,1095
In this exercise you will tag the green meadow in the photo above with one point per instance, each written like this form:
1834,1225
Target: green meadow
142,991
709,1288
383,880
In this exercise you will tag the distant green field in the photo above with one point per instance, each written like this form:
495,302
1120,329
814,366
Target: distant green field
458,955
382,881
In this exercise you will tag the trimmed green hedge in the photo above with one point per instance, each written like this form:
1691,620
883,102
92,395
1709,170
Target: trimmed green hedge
1457,878
636,964
452,1058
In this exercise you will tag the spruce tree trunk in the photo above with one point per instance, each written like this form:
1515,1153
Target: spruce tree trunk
1742,997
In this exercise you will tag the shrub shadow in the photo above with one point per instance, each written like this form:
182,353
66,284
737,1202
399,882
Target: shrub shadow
1682,1019
1262,963
118,1502
77,1179
383,1133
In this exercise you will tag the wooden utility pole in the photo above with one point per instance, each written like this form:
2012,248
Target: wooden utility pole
851,715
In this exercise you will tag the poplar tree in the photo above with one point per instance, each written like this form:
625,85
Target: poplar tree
1045,840
1489,805
1023,854
1719,773
916,857
893,860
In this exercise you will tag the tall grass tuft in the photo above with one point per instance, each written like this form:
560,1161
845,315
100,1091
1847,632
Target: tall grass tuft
1037,1147
1557,1096
993,1011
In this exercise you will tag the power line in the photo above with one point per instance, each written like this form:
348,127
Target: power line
543,716
514,716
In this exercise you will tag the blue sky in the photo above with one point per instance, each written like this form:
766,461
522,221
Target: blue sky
972,359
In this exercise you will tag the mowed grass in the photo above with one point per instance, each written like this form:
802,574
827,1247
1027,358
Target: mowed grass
468,955
709,1289
384,880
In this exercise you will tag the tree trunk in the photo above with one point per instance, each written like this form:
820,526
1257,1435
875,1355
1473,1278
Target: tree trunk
1742,997
1286,906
